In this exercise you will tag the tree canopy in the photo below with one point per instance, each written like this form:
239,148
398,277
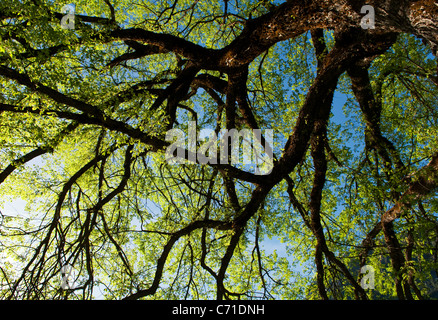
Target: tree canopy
89,91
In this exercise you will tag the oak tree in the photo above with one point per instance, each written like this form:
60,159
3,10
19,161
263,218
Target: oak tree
86,101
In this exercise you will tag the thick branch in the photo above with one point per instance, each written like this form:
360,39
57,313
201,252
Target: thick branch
92,115
350,47
35,153
423,182
372,109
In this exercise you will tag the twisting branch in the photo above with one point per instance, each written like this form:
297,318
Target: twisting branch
168,247
44,244
36,152
91,114
347,50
